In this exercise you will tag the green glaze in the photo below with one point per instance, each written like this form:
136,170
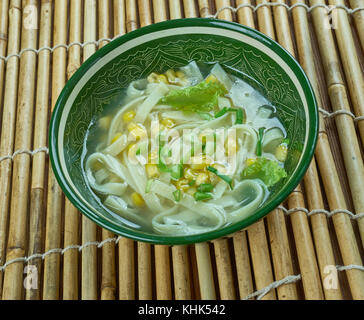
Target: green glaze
172,50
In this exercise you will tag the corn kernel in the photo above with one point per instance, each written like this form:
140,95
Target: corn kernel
200,162
281,152
129,115
168,123
116,137
152,170
137,131
202,178
190,174
211,78
137,199
250,161
182,184
171,75
180,74
157,78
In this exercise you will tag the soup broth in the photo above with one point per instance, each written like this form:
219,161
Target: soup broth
185,152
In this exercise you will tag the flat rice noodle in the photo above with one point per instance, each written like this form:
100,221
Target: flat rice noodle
148,104
117,122
222,76
198,216
240,191
118,146
193,73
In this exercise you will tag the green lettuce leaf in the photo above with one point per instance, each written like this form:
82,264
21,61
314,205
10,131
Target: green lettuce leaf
269,171
202,97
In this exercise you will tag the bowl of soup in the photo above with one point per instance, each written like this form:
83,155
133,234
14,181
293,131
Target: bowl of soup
183,131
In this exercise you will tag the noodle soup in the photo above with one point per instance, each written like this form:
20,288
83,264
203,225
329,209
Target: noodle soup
186,152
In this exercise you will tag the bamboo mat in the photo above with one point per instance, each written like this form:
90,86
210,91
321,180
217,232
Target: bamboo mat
311,247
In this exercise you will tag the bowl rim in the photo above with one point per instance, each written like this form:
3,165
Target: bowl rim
224,231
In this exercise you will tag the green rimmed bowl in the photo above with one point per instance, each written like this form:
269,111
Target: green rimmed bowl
173,44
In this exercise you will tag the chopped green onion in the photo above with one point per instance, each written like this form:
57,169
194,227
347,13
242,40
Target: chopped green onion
176,171
258,150
191,183
177,195
138,152
148,185
199,196
221,112
239,116
227,179
286,141
205,187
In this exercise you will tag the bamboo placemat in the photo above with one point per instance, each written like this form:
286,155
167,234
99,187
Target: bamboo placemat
311,247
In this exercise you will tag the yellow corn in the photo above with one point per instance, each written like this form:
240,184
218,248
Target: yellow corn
168,123
281,152
189,174
250,161
180,74
129,115
157,78
137,131
116,137
171,75
152,170
137,199
211,78
182,184
202,178
200,162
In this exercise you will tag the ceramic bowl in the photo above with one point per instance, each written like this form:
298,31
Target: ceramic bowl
172,44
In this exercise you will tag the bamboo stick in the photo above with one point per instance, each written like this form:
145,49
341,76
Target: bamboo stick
89,230
204,8
8,125
264,16
4,7
126,269
145,282
350,151
355,84
175,10
131,15
37,205
162,272
243,269
256,233
325,255
205,273
305,248
159,10
224,269
71,215
55,196
144,12
181,274
359,19
13,276
119,17
108,277
224,14
245,14
189,8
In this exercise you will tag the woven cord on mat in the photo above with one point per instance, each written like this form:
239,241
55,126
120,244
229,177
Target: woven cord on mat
243,265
